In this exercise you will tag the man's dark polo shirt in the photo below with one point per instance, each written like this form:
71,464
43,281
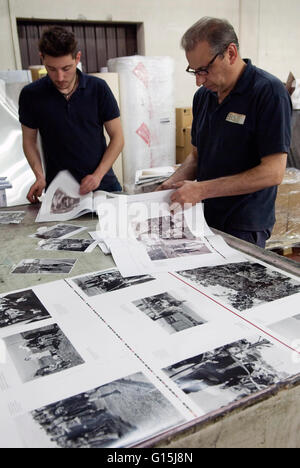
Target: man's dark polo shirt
258,112
71,131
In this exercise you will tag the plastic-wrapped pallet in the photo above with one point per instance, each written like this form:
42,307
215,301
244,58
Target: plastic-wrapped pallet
147,112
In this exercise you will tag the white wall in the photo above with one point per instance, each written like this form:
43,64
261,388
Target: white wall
268,29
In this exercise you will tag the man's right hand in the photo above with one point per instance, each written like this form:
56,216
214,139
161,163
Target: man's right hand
36,191
166,185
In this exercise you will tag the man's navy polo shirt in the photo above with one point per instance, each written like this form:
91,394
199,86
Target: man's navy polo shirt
253,121
71,131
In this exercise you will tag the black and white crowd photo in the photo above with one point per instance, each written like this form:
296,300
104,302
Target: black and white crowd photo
112,415
21,307
108,281
172,314
229,373
41,352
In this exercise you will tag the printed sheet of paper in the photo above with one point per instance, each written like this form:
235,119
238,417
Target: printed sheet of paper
66,380
74,372
144,235
179,325
11,217
44,266
73,245
59,231
63,202
134,257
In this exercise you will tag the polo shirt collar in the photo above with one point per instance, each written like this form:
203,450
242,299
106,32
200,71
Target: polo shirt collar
82,79
245,79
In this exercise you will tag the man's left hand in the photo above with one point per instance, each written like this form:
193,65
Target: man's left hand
188,192
89,183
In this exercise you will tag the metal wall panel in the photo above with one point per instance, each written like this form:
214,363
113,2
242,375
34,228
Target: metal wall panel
98,42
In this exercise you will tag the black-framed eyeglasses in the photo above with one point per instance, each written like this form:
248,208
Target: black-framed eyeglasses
202,70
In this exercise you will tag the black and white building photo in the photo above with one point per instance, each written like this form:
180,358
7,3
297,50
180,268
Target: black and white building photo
243,285
57,231
41,352
21,307
108,281
74,245
172,314
162,249
44,266
164,227
113,415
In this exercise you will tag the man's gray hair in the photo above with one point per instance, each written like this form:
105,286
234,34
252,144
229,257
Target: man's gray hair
219,33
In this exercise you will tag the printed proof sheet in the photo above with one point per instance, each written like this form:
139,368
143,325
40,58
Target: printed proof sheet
145,233
67,380
63,202
208,347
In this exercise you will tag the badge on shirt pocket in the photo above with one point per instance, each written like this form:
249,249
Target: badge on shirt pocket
236,118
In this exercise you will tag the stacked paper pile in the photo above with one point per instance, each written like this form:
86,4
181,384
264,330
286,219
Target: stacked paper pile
4,184
149,178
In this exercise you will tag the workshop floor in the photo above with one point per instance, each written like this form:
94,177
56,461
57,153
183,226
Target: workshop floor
292,254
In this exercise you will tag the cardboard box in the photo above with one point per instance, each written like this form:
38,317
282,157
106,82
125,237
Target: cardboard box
37,71
184,117
180,133
183,151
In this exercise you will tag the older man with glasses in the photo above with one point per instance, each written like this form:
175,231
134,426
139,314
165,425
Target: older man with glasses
240,135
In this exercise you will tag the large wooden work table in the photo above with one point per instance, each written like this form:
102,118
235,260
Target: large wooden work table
268,419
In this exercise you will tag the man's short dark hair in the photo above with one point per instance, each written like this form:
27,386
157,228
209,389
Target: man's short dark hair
58,42
219,33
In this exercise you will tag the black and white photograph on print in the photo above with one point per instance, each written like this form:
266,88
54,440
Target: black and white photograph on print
116,414
21,307
41,352
44,266
164,227
62,202
289,328
162,249
169,312
243,285
108,281
74,245
229,373
11,217
59,231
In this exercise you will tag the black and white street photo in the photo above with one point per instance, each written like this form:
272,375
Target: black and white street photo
57,231
74,245
243,285
41,352
108,281
62,202
229,373
11,217
44,266
164,227
162,249
172,314
21,307
113,415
